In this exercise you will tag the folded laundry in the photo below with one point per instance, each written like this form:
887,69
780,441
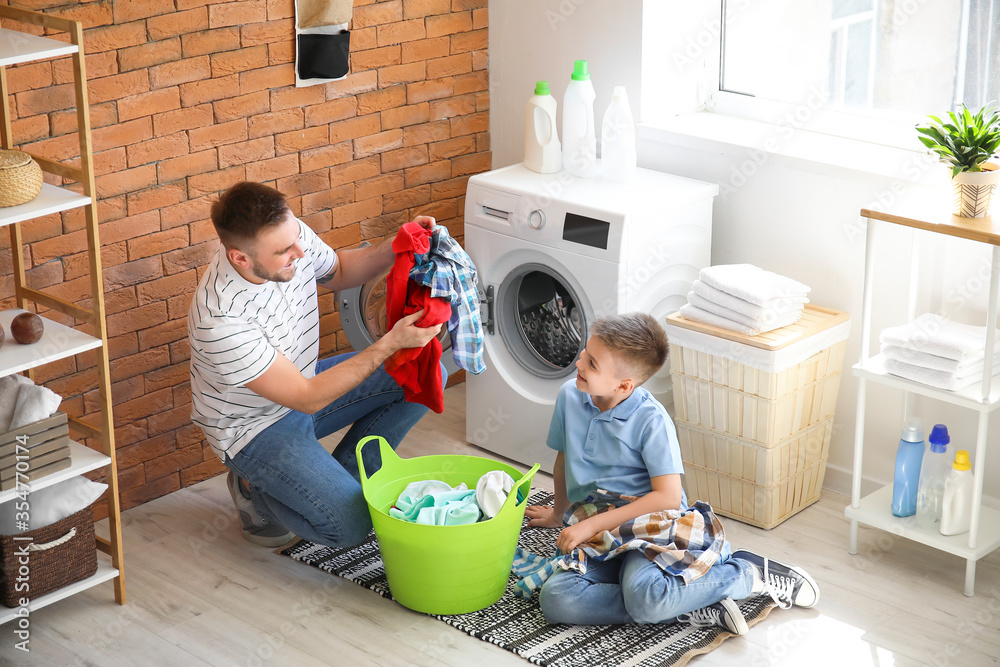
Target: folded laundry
934,362
751,283
10,385
34,402
934,378
935,334
767,316
697,314
779,305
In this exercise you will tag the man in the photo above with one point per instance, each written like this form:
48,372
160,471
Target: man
259,391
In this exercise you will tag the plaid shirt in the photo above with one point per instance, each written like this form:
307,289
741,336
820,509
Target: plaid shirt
449,272
683,543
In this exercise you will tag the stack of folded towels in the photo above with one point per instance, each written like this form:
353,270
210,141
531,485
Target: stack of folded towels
745,298
936,351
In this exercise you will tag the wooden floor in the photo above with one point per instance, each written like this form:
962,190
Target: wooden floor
198,594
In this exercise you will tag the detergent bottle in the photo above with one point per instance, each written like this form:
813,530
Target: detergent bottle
907,477
579,138
956,510
541,142
933,472
618,156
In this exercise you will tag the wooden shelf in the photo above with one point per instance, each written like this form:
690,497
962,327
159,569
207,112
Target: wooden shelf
875,510
84,460
105,572
967,397
984,230
19,44
51,199
58,342
19,47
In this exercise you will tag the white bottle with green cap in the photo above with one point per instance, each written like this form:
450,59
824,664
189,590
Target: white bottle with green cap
579,137
541,141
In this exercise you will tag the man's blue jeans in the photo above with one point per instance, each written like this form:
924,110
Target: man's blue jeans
295,482
633,589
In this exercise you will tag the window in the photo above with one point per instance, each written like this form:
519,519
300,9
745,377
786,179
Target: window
890,58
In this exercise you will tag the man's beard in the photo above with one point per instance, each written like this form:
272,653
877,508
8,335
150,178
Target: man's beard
263,274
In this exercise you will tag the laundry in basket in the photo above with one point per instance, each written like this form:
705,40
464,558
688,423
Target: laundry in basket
443,569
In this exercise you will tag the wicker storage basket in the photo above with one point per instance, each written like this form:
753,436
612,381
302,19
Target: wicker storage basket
755,414
761,486
20,178
51,562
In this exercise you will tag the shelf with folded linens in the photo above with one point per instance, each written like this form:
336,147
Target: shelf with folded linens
981,395
18,45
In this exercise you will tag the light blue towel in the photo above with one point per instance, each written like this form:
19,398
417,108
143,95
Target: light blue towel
434,503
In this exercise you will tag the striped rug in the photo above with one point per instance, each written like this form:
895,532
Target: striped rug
517,625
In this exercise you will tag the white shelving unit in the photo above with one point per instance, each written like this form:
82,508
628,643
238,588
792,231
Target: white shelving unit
60,341
982,398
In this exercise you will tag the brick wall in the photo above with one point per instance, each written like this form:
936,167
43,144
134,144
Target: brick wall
190,96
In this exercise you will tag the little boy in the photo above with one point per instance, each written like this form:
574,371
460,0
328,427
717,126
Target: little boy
611,434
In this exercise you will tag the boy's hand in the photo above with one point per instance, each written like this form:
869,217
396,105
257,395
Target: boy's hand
543,516
573,536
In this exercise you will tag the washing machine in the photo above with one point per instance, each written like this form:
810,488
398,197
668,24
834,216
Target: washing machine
554,253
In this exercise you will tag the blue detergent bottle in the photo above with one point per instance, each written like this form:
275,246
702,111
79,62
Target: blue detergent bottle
907,477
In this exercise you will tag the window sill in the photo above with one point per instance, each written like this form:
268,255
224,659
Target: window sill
761,142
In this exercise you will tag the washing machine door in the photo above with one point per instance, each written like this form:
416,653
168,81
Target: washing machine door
363,317
541,320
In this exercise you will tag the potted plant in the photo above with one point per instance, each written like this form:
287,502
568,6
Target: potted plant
966,142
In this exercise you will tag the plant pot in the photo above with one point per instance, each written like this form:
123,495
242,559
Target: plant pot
974,191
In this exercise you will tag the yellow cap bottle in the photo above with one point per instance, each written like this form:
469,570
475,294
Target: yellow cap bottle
961,460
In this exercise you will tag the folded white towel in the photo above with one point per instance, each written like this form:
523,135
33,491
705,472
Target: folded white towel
751,283
934,362
938,335
696,314
10,385
933,378
34,402
767,316
780,305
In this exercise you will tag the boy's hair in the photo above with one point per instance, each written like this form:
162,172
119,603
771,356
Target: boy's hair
244,210
638,342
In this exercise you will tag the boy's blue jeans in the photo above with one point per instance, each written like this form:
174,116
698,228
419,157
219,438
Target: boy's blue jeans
295,482
633,589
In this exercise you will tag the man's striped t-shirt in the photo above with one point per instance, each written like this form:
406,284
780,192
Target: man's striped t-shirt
237,328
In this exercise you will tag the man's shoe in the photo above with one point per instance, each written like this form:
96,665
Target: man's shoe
255,528
725,613
785,584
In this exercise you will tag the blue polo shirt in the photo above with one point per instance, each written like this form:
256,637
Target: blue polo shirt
618,450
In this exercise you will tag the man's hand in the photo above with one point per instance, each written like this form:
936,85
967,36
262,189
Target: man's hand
405,335
543,516
425,221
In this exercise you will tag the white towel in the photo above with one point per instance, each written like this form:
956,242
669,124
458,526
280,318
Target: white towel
767,316
938,335
780,305
34,402
933,378
696,314
751,283
492,490
934,362
10,385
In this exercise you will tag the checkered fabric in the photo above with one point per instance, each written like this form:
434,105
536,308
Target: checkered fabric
685,543
449,272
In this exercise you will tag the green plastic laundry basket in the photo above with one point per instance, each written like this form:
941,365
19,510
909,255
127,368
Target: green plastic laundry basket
443,569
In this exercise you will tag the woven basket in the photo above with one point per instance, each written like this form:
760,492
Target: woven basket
51,562
20,178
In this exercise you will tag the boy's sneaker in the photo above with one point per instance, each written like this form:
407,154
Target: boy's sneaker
255,528
785,584
725,613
